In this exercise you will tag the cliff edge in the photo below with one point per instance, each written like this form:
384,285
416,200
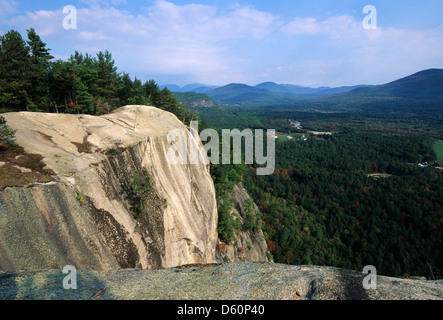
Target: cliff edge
109,199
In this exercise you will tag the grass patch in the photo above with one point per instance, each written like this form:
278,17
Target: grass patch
80,197
21,169
114,150
438,148
85,146
137,192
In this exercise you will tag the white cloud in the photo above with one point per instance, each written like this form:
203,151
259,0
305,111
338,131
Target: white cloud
197,21
243,22
92,35
105,2
339,28
173,39
7,8
367,56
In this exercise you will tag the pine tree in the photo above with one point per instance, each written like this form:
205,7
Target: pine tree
39,91
7,134
62,79
84,101
131,92
152,92
38,49
15,77
138,93
107,78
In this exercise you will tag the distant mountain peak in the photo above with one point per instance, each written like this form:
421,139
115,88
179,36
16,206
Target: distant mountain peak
421,84
192,87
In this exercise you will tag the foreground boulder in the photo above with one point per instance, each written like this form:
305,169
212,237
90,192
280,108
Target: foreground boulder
229,281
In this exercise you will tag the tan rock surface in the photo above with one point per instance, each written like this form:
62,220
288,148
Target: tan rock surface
94,157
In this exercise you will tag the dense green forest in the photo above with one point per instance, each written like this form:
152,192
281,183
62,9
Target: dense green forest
350,199
321,206
321,117
31,80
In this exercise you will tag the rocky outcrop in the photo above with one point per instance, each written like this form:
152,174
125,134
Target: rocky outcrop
229,281
247,245
85,216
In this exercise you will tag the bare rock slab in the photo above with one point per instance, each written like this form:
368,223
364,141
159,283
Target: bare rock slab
229,281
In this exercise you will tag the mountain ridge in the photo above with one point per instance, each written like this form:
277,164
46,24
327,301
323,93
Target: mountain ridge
423,84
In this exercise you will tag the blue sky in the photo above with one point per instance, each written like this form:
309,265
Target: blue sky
310,43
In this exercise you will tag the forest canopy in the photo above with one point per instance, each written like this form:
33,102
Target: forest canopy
353,199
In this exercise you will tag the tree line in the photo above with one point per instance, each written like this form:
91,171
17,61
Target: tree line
32,80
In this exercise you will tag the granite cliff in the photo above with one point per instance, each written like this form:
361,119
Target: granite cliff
83,206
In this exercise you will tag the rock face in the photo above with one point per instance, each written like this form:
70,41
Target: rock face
229,281
248,245
85,217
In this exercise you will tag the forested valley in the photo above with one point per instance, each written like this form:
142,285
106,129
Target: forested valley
366,193
351,199
322,206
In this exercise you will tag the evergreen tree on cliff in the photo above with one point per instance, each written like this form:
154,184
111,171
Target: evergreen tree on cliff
40,57
15,72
